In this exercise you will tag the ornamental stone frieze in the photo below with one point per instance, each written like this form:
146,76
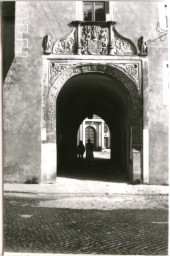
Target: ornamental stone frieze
132,70
129,69
55,69
91,38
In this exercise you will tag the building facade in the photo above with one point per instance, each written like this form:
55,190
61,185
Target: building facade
97,131
76,59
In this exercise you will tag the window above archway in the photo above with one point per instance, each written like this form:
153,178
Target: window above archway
94,11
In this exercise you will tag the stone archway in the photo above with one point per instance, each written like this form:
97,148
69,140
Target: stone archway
130,81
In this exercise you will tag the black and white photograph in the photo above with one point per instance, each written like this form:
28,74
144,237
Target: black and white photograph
85,127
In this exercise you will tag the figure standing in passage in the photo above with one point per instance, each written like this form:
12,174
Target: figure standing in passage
89,151
80,150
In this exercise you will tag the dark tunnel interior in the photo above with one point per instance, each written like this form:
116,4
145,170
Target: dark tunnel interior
81,97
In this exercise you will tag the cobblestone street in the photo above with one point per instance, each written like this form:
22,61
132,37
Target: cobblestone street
45,224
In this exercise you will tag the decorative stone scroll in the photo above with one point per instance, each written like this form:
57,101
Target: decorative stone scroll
65,45
94,38
122,45
63,74
132,70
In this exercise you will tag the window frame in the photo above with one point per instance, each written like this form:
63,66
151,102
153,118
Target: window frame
93,10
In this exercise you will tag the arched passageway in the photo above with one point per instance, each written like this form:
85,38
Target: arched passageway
97,131
81,97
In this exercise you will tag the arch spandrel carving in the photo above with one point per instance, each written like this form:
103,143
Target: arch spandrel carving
94,38
61,74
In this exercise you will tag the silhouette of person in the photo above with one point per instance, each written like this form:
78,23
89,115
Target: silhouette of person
80,150
89,151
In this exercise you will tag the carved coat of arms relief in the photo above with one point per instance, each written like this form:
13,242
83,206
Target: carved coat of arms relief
94,40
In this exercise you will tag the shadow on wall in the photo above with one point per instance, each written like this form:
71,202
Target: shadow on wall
8,32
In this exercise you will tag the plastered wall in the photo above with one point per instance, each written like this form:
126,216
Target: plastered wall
22,87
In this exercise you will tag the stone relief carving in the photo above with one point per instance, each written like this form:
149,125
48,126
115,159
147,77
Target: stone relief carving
60,75
122,45
142,47
94,40
131,70
117,73
65,45
55,69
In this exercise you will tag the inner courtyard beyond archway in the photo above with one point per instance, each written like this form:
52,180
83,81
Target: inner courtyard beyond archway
81,97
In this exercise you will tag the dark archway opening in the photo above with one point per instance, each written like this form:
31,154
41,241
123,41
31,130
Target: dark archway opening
83,96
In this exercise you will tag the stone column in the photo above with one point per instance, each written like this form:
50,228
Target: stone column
78,23
81,132
111,37
100,138
97,134
84,133
102,134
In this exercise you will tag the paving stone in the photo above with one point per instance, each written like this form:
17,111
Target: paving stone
52,230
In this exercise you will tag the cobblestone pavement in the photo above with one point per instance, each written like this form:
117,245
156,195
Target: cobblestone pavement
31,225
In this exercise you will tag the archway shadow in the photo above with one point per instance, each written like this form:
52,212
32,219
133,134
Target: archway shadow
98,170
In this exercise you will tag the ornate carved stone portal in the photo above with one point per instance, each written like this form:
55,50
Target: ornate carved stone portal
59,73
88,39
94,38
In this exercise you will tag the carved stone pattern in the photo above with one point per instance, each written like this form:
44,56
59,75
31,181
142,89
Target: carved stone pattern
55,69
66,45
72,71
133,90
122,46
94,40
131,70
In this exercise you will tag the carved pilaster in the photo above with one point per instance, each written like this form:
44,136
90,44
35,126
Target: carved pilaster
77,23
78,38
111,37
